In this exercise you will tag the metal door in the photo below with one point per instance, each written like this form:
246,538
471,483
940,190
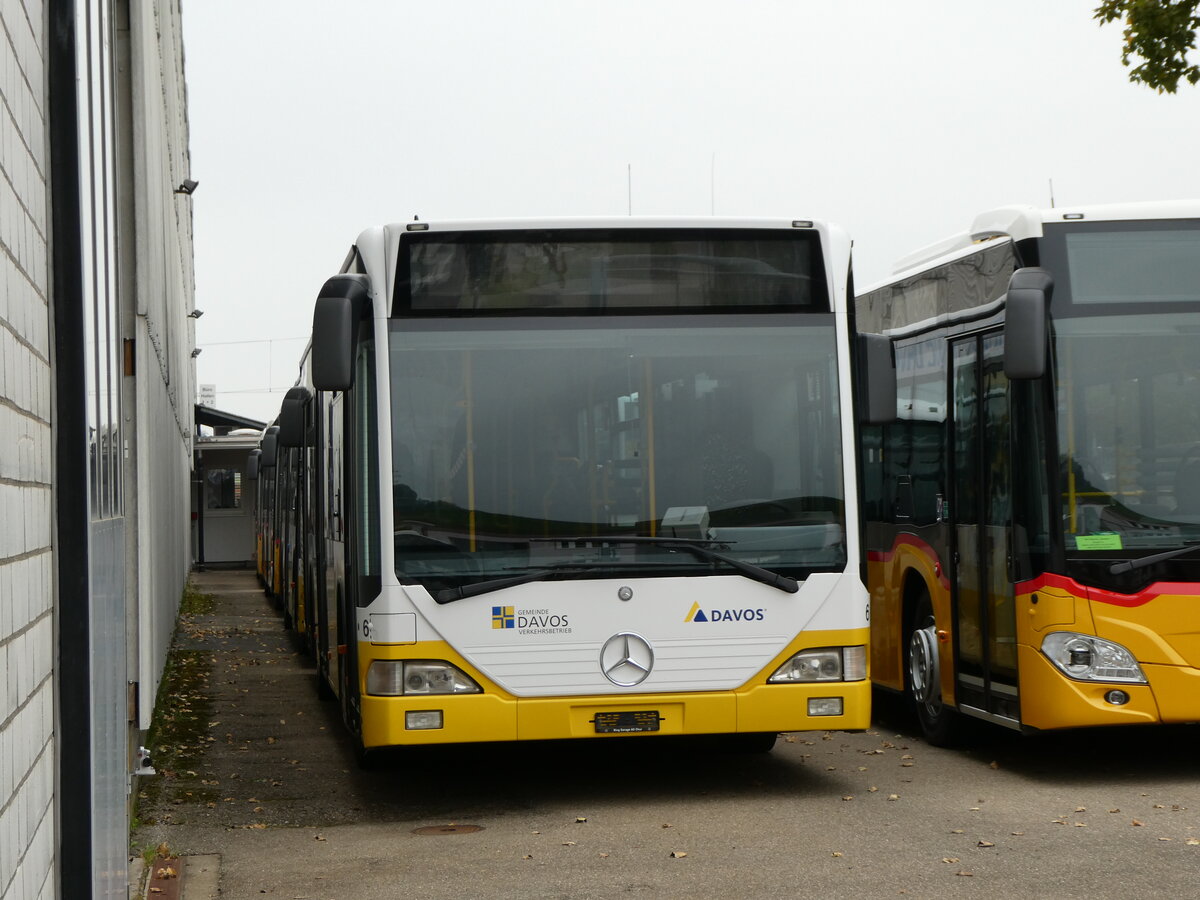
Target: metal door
981,512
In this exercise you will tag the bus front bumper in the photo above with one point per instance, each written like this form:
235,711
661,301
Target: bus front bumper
464,718
1051,700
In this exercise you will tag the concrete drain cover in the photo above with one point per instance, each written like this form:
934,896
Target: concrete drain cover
448,829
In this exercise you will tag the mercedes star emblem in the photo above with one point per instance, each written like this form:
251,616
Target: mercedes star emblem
626,659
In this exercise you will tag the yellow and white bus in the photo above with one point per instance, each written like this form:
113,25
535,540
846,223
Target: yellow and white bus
1033,512
584,478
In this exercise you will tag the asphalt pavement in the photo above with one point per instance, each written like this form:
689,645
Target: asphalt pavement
257,794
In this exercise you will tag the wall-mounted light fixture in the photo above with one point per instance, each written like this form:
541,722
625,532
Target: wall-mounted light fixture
195,313
195,353
187,187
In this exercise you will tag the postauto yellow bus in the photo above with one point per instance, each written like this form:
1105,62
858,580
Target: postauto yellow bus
1033,510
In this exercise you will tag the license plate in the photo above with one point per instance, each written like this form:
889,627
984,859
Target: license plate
627,721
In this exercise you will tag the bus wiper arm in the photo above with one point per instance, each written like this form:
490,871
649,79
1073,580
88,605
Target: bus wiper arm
449,595
696,548
1129,565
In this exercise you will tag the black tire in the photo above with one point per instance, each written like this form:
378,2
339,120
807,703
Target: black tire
324,691
922,679
367,760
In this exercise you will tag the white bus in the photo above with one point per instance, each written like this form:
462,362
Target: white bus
583,478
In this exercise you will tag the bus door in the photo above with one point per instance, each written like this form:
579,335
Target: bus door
981,512
333,520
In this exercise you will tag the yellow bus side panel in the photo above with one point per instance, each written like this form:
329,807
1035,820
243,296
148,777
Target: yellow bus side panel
1177,690
887,652
886,572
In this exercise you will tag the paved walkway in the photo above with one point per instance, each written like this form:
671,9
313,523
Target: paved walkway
245,746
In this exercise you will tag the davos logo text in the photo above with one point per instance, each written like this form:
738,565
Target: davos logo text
696,614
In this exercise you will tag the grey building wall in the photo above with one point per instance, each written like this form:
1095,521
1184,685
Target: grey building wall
163,286
131,246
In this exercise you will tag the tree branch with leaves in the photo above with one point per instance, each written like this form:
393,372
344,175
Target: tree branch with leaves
1160,33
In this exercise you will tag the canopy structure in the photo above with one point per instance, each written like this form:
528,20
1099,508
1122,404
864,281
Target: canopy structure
224,422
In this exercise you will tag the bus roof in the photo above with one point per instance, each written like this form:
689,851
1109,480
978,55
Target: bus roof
601,222
1021,222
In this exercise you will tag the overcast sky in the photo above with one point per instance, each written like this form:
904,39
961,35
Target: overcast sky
898,119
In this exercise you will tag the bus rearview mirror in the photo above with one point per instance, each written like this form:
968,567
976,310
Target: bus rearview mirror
336,315
1029,292
269,447
877,369
291,417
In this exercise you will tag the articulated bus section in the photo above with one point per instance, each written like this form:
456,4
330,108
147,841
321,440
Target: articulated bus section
581,478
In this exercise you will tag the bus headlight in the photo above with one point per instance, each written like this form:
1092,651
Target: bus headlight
1087,658
395,678
825,664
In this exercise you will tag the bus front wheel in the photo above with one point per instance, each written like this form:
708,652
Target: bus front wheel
924,681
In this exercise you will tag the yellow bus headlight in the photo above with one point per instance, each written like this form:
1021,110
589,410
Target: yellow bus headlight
395,678
824,664
1088,658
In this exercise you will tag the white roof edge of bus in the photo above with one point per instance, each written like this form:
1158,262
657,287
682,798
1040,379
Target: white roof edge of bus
1021,222
608,222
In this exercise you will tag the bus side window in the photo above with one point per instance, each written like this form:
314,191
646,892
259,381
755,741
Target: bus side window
916,441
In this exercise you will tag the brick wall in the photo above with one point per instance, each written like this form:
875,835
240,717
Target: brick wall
27,827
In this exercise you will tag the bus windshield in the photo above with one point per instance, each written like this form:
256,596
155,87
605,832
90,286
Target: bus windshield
516,443
1129,431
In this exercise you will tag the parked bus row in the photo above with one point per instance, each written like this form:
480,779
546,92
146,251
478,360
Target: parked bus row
583,478
629,478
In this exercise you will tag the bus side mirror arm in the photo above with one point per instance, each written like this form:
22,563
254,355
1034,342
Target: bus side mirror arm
1029,292
877,369
336,316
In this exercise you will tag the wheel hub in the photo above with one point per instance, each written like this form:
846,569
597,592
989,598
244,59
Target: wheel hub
923,667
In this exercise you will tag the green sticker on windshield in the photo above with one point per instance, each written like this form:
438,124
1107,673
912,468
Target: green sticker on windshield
1105,540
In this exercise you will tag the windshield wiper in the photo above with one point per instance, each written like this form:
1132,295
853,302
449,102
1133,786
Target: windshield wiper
697,548
1129,565
449,595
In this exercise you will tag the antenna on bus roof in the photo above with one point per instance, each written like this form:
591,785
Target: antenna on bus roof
1052,193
